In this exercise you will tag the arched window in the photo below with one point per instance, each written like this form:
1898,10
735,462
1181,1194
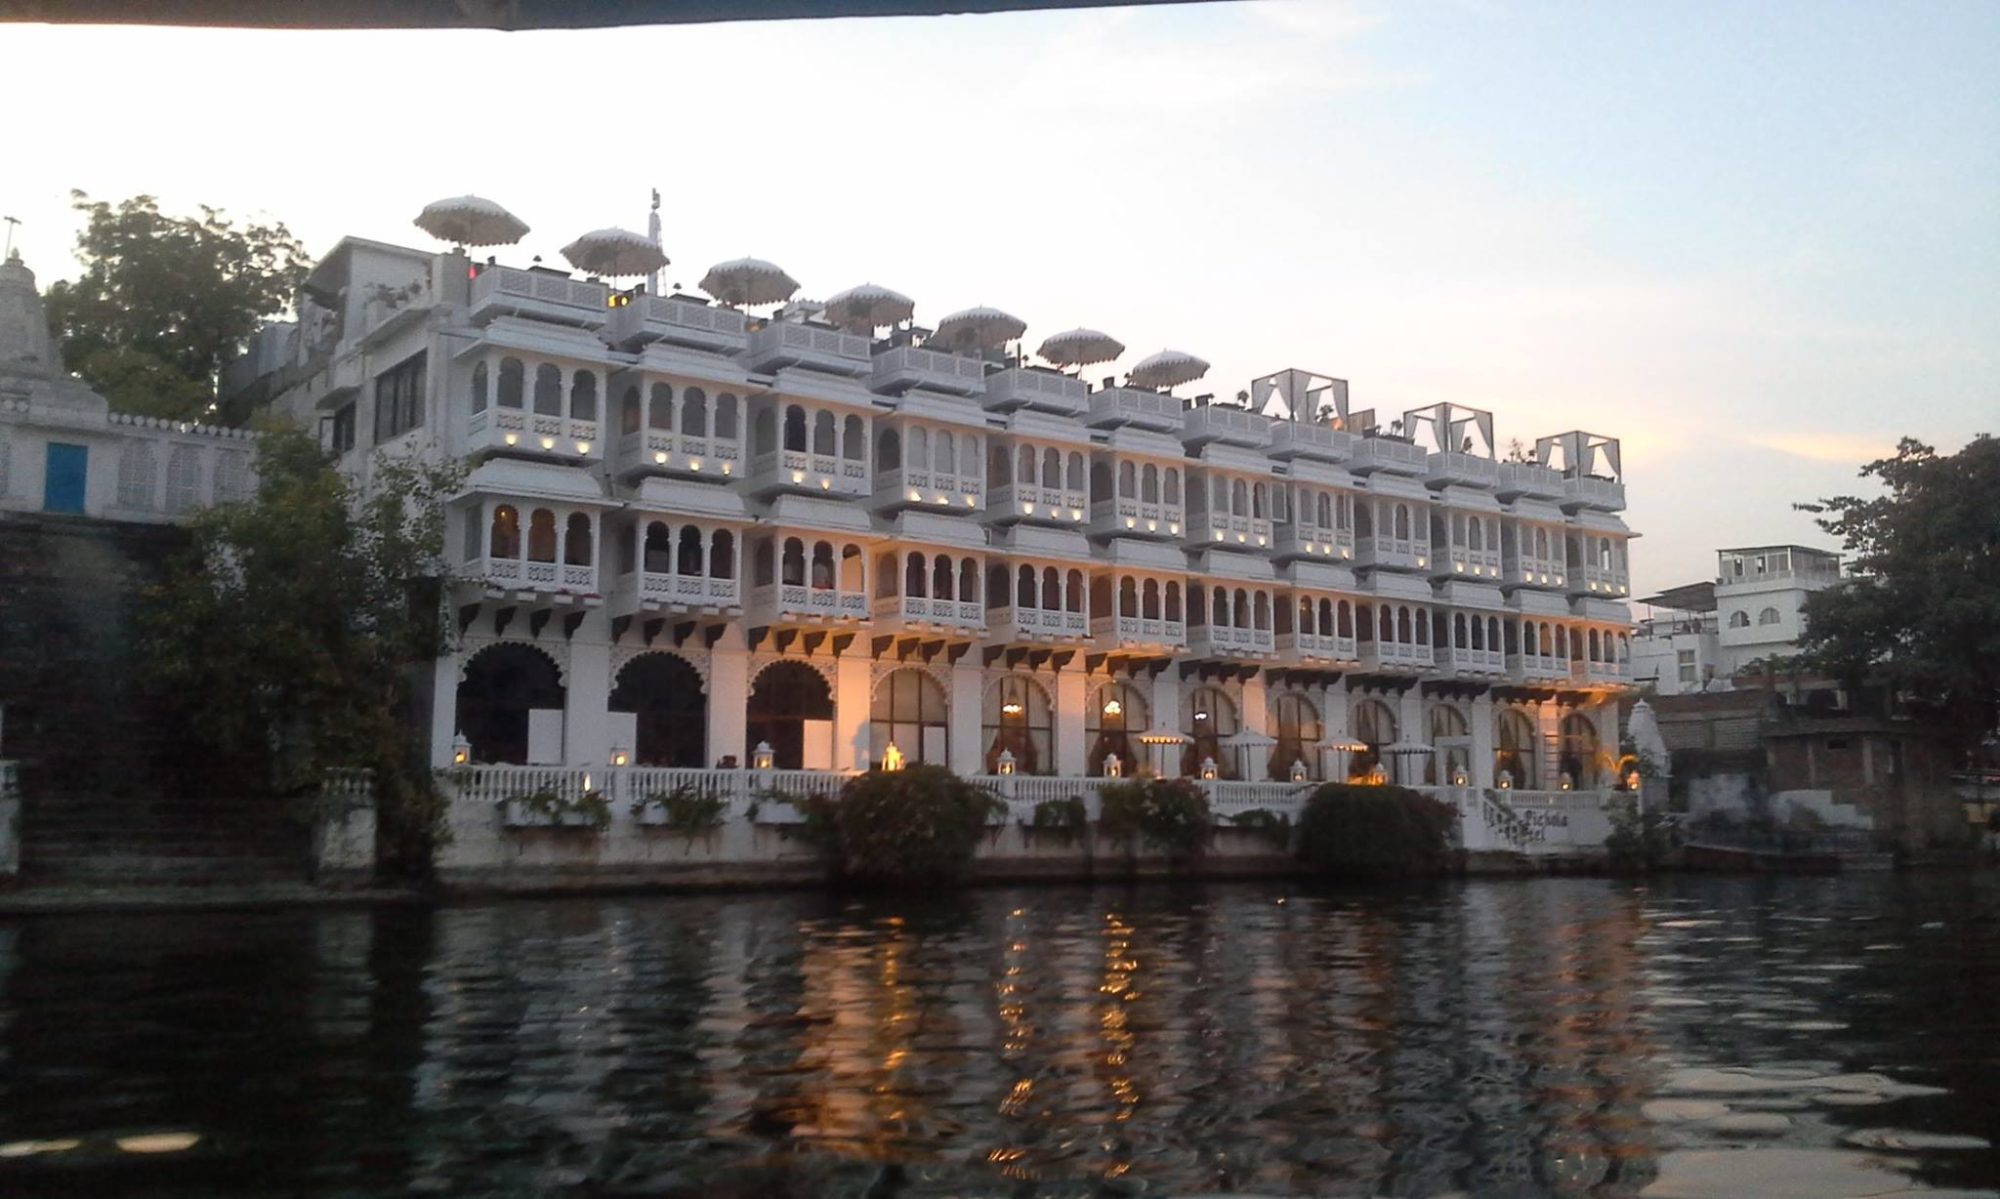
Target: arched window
658,554
1172,492
1239,498
1024,588
687,559
1111,724
822,566
1298,731
722,555
920,448
913,576
790,709
1260,617
998,593
1149,484
1739,620
1373,727
664,695
1076,481
1514,750
1402,522
479,386
542,536
576,540
660,409
1024,469
854,440
968,581
792,568
1452,741
1128,484
826,442
548,390
999,466
968,458
503,684
909,712
1128,597
583,396
725,416
694,412
1173,601
505,539
1017,720
941,578
1258,504
1052,471
944,453
1073,592
795,428
852,570
1149,599
886,576
631,414
511,383
1768,616
1051,589
1211,717
1580,751
1241,619
888,450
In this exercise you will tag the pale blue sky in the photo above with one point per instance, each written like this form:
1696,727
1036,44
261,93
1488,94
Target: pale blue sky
1756,241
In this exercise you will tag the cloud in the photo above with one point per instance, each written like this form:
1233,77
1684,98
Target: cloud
1855,448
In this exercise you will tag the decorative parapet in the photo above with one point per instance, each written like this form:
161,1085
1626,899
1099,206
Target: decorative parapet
185,428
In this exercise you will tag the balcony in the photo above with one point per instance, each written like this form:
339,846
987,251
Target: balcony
1392,553
1297,439
676,322
538,295
903,367
1483,565
524,434
1231,426
934,491
915,612
795,603
1222,641
808,474
1530,479
1140,633
1533,572
1132,406
1043,391
1537,669
1604,582
659,591
551,578
662,451
1047,505
1390,454
1602,495
1235,532
1394,656
1465,662
789,343
1313,541
1136,518
1600,674
1313,647
1466,470
1036,624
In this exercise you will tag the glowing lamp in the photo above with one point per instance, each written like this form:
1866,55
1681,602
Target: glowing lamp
548,443
694,464
1011,708
620,756
583,447
1113,768
892,758
461,751
512,439
1567,783
1005,762
1112,707
660,457
1208,768
1460,780
1506,780
1299,772
763,757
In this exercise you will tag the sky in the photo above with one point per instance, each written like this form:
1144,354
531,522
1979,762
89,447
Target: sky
1756,243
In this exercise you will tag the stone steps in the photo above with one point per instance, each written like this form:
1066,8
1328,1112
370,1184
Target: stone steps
147,842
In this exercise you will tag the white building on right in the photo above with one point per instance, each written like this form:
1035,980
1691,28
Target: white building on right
1699,637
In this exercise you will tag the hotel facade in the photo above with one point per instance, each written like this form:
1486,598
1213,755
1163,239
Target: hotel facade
695,538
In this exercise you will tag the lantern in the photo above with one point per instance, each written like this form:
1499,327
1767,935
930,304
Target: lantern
1113,768
461,751
763,758
1208,768
1506,780
620,756
1005,762
1299,772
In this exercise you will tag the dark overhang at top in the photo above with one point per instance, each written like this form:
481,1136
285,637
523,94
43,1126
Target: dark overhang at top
497,14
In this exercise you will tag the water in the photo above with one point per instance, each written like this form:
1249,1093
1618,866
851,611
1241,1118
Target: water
1692,1037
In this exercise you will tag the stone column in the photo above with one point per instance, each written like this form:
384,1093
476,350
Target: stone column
1333,710
1070,750
852,698
1408,769
728,698
587,698
1482,741
444,708
967,697
1255,718
1165,760
1548,726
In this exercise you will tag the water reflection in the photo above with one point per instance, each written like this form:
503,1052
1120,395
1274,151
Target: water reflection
1568,1037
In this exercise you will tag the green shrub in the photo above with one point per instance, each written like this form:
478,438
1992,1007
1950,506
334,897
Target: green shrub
1064,819
1375,832
553,806
1641,841
917,825
1275,827
1169,814
685,810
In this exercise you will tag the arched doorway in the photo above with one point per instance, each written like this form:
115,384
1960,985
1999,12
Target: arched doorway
1451,738
1018,720
1111,724
1374,729
909,710
1580,751
1211,717
510,706
664,695
1297,724
1514,750
791,708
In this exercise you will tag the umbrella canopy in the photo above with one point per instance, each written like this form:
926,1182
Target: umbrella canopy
1406,747
868,307
978,329
749,281
471,221
1167,369
1080,347
614,252
1249,739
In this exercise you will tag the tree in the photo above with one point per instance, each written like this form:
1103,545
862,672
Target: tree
300,618
164,301
1922,612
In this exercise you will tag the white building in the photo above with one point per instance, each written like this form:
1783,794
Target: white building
1699,637
689,532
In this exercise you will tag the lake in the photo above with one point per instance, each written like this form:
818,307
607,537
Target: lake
1676,1038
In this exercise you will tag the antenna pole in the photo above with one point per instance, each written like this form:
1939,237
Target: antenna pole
11,222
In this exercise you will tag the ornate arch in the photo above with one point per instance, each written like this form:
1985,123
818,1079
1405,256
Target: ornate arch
882,669
624,655
759,663
991,679
472,647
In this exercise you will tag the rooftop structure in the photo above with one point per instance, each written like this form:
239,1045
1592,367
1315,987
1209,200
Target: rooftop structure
1703,635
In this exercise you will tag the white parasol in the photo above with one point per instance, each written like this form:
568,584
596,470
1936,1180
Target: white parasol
1080,347
1166,370
614,252
978,329
748,281
471,221
868,307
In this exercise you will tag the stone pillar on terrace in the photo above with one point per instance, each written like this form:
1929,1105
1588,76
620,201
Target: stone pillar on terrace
586,739
1070,692
1482,740
728,698
1333,712
967,697
444,707
1548,727
1165,760
853,697
1408,769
